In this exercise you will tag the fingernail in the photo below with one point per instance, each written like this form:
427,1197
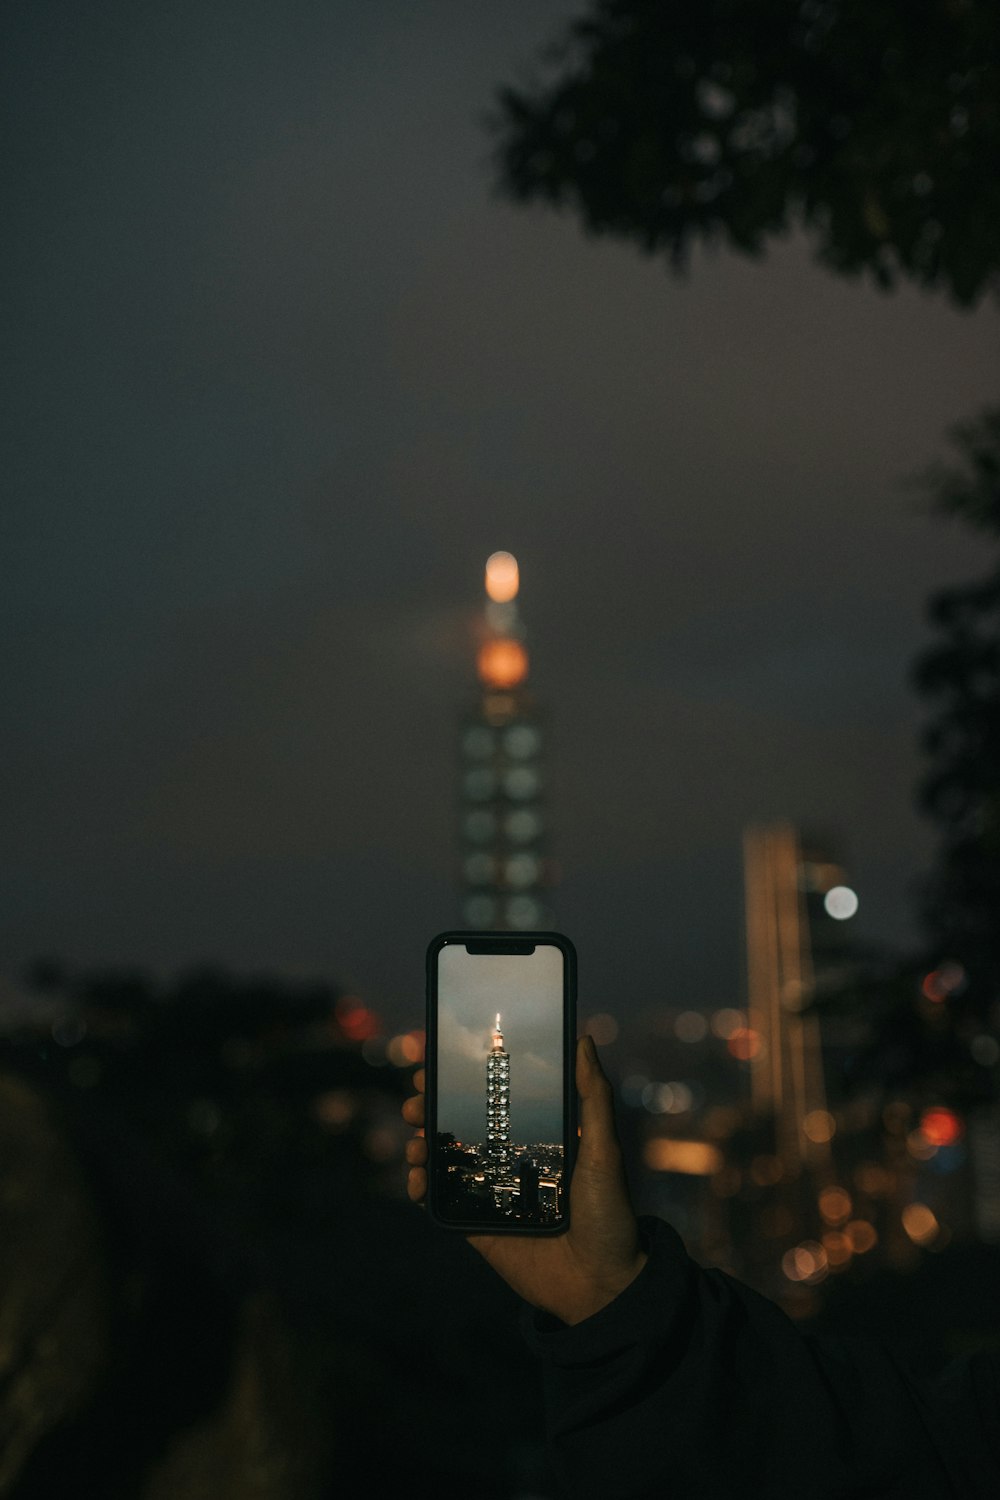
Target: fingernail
590,1049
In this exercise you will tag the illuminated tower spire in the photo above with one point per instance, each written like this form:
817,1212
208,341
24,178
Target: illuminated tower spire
498,1104
502,818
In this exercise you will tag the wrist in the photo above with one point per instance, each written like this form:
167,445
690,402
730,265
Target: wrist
591,1296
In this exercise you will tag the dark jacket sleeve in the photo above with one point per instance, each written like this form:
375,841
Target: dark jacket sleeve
690,1384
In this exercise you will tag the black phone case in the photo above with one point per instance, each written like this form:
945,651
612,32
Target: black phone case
503,942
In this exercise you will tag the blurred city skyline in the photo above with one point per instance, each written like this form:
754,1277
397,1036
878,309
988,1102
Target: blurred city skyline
287,371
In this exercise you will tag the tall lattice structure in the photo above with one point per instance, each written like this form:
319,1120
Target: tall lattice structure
503,835
498,1104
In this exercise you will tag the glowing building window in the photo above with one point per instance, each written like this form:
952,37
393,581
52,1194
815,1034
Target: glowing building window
520,783
521,741
522,870
522,825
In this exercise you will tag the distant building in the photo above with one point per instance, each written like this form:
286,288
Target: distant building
528,1177
803,1216
787,1077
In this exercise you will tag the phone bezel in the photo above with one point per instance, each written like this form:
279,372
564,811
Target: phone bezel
502,942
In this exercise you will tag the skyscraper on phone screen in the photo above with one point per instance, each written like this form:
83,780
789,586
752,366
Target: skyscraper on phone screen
498,1104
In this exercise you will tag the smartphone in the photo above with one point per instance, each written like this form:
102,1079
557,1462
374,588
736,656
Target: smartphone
501,1081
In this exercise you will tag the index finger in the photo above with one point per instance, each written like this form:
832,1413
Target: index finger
413,1110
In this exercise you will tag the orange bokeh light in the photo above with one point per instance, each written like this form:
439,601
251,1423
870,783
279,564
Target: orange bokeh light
767,1170
336,1108
602,1027
502,663
819,1126
502,577
920,1223
862,1236
405,1049
727,1022
692,1158
835,1205
807,1262
838,1247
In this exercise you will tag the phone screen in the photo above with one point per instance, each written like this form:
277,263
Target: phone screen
500,1122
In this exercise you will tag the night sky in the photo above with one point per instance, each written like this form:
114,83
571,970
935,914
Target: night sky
282,370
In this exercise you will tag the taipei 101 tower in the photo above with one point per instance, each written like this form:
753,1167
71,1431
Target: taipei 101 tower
504,872
498,1104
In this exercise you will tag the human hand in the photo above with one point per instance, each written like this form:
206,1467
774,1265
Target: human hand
571,1275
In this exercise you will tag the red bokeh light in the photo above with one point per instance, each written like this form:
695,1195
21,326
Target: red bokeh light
949,979
940,1126
744,1043
356,1021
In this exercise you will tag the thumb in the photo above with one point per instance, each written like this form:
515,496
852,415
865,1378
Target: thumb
598,1136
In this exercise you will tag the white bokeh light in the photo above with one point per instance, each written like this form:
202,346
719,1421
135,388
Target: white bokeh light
840,902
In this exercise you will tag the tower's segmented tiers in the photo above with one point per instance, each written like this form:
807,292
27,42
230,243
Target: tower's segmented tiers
498,1104
504,871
